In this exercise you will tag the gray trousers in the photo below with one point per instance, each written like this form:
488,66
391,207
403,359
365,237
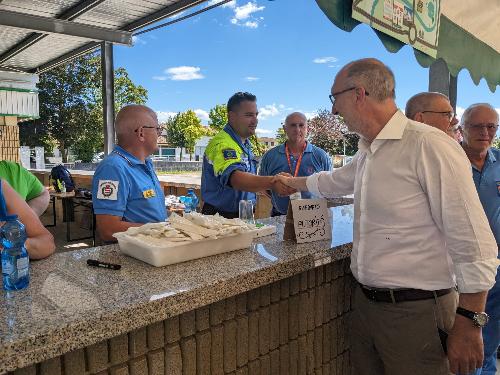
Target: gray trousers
400,338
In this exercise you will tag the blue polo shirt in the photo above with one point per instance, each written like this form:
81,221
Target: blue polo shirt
225,153
488,187
126,187
274,161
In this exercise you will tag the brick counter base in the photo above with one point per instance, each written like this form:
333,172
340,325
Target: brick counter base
294,326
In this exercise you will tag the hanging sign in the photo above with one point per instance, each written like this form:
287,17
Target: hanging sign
414,22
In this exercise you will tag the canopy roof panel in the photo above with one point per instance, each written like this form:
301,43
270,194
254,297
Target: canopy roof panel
468,36
36,35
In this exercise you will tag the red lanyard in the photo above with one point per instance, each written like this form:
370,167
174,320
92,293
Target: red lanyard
299,160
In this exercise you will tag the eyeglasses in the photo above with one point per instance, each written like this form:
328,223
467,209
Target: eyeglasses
449,114
332,96
159,129
491,128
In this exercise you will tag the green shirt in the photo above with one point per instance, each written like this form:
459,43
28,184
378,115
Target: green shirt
21,180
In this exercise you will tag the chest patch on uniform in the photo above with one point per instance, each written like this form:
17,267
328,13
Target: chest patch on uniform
229,153
108,190
150,193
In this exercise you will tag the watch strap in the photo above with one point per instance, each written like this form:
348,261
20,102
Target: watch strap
467,313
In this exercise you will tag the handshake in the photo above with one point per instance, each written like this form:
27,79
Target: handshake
281,184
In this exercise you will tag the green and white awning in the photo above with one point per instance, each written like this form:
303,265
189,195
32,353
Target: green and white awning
18,95
469,36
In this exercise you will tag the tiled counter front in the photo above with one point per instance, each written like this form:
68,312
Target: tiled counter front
275,308
293,326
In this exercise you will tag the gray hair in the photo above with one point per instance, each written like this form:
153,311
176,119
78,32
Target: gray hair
468,112
374,76
421,102
295,114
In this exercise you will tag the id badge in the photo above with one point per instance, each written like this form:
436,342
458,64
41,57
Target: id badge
498,187
296,195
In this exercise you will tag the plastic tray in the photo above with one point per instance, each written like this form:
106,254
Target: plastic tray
159,256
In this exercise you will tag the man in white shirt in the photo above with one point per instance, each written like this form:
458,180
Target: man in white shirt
419,229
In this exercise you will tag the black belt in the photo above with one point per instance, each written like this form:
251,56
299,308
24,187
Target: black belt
401,295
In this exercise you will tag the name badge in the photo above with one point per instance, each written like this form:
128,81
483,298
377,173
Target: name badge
148,193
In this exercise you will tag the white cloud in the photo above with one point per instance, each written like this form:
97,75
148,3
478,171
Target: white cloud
243,15
177,15
202,114
325,60
310,115
263,131
251,79
269,110
184,73
231,4
251,24
460,112
160,78
164,116
138,40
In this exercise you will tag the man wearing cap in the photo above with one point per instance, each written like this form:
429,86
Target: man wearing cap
480,123
125,189
229,166
297,157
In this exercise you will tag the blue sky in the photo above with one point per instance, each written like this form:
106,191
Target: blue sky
284,51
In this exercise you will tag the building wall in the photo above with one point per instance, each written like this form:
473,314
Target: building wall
294,326
9,139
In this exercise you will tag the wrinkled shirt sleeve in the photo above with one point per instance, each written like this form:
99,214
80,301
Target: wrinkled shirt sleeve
337,183
445,175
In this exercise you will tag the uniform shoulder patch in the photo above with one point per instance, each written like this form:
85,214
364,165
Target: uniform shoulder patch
229,153
108,189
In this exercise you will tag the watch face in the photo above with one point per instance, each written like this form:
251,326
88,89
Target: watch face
481,319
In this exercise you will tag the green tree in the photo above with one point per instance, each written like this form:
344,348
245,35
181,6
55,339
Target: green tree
71,107
280,136
217,117
496,142
184,129
331,134
258,148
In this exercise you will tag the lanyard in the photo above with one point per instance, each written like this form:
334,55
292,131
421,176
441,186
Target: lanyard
299,160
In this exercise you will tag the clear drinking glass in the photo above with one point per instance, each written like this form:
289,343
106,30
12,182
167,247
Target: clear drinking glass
246,211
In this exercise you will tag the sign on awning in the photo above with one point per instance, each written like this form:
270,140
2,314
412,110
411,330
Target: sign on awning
414,22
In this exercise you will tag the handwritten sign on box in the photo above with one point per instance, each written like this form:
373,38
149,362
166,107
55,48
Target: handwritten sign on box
310,220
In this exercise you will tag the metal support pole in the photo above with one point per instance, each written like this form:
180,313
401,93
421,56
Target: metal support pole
108,96
440,80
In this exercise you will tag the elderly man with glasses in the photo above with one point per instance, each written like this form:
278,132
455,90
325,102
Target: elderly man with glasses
125,189
480,123
434,109
419,229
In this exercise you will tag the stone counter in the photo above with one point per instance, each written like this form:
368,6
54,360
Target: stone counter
277,306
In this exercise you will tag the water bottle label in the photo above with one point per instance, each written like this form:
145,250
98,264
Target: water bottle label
7,267
22,267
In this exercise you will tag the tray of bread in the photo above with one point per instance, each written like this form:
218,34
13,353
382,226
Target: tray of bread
188,237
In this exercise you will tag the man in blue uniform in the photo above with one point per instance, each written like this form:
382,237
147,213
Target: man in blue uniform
229,166
297,157
126,190
480,123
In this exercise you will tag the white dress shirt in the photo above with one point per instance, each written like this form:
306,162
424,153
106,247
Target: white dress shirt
418,220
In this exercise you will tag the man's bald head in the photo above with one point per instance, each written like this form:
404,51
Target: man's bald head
131,117
295,115
422,102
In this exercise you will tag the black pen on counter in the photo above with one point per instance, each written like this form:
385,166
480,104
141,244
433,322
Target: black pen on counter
98,263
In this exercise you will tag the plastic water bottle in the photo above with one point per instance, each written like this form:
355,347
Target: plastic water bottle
15,259
63,187
186,200
194,200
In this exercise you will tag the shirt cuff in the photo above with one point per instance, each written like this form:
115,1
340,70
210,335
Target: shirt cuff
477,276
312,184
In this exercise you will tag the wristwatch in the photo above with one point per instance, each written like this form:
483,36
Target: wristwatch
480,319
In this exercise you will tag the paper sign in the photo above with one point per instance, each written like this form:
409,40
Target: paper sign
310,221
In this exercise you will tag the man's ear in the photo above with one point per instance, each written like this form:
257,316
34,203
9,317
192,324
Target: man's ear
419,116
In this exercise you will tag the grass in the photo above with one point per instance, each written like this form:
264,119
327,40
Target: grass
196,173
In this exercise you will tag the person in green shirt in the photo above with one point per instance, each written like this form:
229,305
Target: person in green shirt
26,185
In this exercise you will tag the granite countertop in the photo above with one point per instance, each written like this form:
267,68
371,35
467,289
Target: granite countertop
69,305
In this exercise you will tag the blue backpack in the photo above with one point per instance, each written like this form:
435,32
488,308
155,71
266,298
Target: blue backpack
60,174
